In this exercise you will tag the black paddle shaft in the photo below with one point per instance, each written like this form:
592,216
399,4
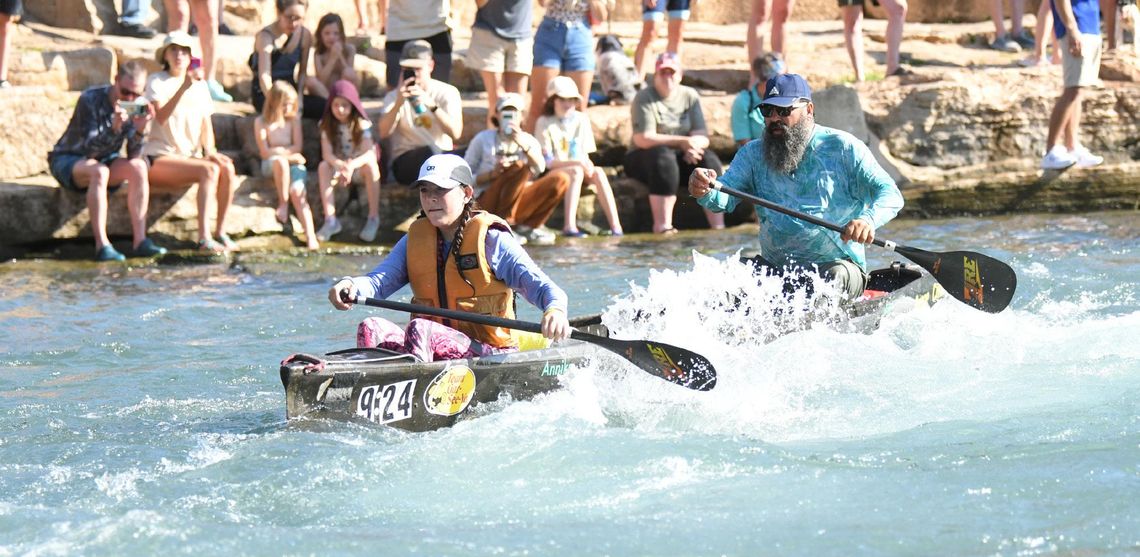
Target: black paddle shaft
671,363
975,279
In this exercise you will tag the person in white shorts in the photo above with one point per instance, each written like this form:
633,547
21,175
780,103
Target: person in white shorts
1077,25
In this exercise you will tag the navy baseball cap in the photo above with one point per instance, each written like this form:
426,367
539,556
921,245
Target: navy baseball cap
786,89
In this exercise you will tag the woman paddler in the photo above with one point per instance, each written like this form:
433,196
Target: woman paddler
479,262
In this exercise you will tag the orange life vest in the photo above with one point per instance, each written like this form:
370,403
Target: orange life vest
485,294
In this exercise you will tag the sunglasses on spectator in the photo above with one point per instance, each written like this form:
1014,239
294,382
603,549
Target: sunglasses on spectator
128,94
767,110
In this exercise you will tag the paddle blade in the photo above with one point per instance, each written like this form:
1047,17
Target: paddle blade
977,280
671,363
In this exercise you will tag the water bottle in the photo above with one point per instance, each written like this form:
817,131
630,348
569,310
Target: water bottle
421,117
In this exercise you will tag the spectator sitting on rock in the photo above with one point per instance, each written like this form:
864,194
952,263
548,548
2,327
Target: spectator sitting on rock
287,62
747,122
87,156
421,118
653,11
505,160
207,15
334,58
853,34
181,146
670,139
567,140
8,9
1017,38
347,146
278,134
780,11
412,20
1077,24
502,47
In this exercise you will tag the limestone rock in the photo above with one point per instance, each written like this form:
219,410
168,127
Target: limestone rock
34,119
73,70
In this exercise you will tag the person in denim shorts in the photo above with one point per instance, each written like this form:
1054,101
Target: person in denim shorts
653,11
564,44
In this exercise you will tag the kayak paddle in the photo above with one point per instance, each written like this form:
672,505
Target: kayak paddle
975,279
671,363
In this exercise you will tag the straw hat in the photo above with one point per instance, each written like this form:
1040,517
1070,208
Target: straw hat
175,38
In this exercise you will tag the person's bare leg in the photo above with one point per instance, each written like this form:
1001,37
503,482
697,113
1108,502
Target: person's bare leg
134,172
540,76
5,44
324,177
606,198
648,35
280,169
584,79
177,15
1018,13
171,172
491,84
676,35
1073,129
305,215
853,38
662,208
570,200
756,21
716,220
781,11
95,177
227,186
361,17
372,188
896,19
514,82
1061,117
205,15
998,17
382,15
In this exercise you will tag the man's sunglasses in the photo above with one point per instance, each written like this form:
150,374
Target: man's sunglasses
767,110
128,94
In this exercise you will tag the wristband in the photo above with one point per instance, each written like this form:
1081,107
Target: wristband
553,309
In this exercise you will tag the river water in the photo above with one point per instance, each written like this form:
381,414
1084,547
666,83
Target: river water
141,413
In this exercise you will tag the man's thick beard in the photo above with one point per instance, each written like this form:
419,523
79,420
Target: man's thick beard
783,154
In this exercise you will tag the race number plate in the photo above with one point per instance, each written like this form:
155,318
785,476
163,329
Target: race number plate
386,403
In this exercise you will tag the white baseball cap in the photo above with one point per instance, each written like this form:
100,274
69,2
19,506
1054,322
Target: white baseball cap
446,171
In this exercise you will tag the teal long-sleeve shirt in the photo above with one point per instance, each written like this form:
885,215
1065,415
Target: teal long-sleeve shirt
838,180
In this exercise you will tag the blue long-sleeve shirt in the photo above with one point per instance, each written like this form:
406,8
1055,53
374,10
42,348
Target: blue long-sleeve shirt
90,134
509,262
838,180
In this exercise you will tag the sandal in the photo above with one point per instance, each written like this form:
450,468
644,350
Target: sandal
227,243
210,246
668,231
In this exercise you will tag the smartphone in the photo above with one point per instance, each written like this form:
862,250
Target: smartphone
195,63
133,108
409,73
507,118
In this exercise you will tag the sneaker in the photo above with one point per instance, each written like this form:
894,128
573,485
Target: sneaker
136,30
330,228
371,226
109,253
574,234
1085,158
1031,62
4,84
1005,44
1058,158
147,248
519,238
218,93
1024,40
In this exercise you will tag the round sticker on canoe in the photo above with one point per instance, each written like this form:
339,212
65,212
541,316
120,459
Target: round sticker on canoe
450,392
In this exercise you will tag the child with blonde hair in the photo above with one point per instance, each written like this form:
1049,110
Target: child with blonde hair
278,133
567,140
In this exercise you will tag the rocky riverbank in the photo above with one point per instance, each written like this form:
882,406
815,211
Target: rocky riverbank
962,133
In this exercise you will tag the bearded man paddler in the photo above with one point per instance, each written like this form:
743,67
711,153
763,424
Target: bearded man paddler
821,171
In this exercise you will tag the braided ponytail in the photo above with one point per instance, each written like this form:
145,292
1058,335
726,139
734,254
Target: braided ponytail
457,242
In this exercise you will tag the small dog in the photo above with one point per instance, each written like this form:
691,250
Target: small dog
618,76
1129,17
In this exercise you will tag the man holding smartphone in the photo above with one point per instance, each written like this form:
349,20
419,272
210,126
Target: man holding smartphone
422,117
87,157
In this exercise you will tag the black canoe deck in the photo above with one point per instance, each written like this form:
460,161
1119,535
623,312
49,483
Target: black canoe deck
384,387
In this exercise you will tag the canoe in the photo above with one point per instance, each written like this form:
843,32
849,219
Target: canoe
384,387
